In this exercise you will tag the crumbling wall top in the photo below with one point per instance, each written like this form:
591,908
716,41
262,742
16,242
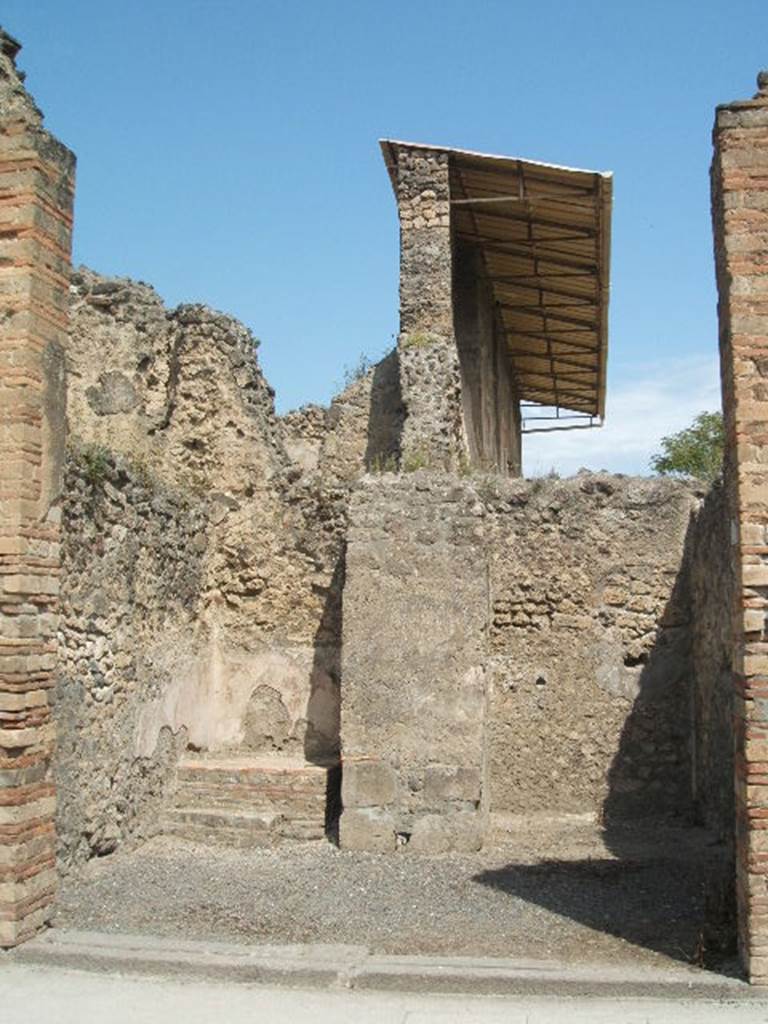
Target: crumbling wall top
16,104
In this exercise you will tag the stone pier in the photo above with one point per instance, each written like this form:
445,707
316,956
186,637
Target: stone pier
740,213
36,194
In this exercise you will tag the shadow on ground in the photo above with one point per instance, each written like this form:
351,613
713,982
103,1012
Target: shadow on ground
655,877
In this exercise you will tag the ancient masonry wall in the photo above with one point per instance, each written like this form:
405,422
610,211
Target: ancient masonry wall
514,648
430,374
202,566
740,215
36,192
133,554
712,597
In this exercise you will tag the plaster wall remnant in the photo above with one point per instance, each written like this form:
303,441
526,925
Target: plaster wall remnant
37,184
740,217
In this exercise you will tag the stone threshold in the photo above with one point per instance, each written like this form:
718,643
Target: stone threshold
355,967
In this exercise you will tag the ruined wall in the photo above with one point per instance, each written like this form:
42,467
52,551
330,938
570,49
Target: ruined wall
433,432
132,562
360,431
229,620
526,643
489,399
36,188
740,217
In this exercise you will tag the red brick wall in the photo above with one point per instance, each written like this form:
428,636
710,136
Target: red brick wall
740,215
36,191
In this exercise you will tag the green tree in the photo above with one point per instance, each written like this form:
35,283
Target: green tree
696,451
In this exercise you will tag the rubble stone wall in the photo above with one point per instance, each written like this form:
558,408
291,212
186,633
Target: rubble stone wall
740,216
232,642
430,374
526,643
132,560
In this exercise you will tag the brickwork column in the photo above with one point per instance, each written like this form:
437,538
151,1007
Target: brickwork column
36,192
740,217
430,376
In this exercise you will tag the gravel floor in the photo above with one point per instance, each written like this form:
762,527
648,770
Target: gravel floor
579,903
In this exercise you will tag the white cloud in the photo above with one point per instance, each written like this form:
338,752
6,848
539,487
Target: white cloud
648,402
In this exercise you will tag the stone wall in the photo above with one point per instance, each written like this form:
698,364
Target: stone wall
233,641
133,558
413,697
36,188
360,431
430,375
513,648
712,598
740,216
589,640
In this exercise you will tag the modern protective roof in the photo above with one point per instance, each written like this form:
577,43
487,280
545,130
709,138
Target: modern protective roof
544,232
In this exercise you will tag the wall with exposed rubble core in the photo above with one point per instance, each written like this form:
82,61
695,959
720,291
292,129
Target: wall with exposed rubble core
212,555
522,648
133,561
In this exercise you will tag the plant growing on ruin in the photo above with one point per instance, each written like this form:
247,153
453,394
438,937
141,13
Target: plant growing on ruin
358,370
695,451
417,458
417,339
95,461
383,463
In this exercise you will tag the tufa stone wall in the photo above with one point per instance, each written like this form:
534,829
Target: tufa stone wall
740,216
513,648
36,187
360,431
413,699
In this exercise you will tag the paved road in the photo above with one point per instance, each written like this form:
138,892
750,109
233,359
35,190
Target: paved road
57,996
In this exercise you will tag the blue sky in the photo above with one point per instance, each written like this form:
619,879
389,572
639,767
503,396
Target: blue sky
227,153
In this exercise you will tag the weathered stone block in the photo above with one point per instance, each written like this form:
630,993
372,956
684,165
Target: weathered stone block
367,829
368,784
450,782
457,832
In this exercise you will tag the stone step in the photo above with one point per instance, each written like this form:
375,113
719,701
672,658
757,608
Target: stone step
279,800
249,800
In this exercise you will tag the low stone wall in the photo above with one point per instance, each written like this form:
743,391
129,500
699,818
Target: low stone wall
510,648
132,561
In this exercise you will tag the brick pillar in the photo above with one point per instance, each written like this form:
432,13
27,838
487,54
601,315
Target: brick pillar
740,218
430,377
36,192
